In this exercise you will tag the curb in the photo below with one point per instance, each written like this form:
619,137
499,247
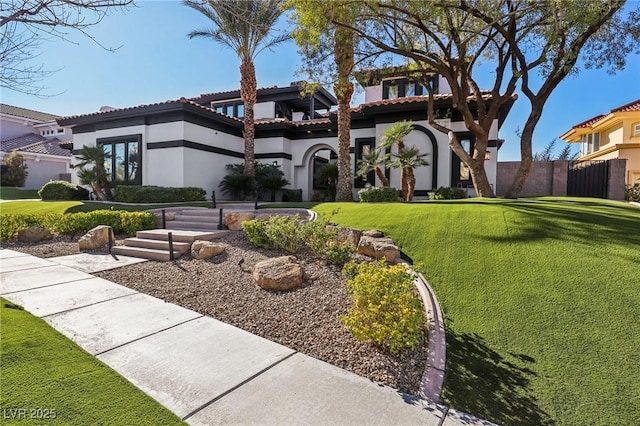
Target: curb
433,376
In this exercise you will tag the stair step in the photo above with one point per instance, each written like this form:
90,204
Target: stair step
200,212
181,247
145,253
192,225
191,218
180,235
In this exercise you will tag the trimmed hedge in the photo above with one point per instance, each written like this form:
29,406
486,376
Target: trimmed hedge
379,195
157,194
60,190
448,193
76,223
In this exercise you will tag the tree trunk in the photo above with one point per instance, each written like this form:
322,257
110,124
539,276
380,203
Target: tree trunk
381,177
343,55
526,152
476,163
404,183
248,94
480,181
411,183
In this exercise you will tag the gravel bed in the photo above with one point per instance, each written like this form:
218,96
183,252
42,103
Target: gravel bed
305,319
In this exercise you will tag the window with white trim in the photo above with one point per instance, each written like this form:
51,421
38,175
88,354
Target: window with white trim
589,143
636,130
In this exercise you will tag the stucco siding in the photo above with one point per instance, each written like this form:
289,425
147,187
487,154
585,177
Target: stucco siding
163,167
11,129
43,170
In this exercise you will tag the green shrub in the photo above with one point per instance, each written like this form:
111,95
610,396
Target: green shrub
384,194
447,193
268,180
256,232
632,192
289,234
157,194
77,223
291,195
385,309
61,190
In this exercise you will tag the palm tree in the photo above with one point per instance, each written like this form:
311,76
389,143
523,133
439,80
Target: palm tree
371,161
246,27
92,171
405,159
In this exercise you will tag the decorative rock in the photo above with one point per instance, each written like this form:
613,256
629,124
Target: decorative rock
201,249
280,273
379,248
234,220
33,234
96,238
373,233
349,235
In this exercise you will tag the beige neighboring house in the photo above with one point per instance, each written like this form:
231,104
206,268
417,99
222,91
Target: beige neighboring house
45,146
612,135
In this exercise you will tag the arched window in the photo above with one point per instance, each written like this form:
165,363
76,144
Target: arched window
636,130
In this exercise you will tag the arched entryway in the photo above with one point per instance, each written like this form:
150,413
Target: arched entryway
323,174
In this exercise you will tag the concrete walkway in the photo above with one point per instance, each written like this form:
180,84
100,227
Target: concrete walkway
205,371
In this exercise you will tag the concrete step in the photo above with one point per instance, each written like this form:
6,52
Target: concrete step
145,253
200,212
192,218
181,247
192,225
186,236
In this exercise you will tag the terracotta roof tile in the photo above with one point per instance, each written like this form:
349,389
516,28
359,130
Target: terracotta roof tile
414,99
27,113
631,106
310,122
589,122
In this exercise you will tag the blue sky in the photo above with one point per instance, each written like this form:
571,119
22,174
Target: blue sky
158,62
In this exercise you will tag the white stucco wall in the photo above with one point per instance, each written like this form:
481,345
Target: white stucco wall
44,168
264,110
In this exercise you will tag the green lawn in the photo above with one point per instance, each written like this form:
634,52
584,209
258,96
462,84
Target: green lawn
541,301
43,370
12,193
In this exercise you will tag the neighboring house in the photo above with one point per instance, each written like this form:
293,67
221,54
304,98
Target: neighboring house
609,136
187,142
45,146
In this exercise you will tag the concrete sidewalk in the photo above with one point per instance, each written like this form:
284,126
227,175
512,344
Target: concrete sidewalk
205,371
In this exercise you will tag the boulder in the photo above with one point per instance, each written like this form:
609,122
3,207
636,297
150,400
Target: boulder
97,238
280,273
234,220
348,235
373,233
33,234
379,248
201,249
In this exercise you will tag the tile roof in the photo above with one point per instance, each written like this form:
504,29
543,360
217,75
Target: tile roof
35,143
18,142
631,106
415,99
26,113
49,147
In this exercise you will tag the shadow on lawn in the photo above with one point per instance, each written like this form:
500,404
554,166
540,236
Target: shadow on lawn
482,382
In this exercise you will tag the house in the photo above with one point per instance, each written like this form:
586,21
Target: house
188,141
45,146
612,135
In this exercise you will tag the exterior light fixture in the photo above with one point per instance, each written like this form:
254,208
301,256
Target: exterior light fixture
487,156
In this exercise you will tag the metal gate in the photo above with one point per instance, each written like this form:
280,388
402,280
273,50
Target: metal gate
588,179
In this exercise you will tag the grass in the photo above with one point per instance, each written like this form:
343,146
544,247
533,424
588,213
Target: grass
43,370
12,193
292,205
540,298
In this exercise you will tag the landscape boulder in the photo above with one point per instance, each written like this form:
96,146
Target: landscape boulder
97,238
234,220
379,248
348,235
280,273
201,249
373,233
33,234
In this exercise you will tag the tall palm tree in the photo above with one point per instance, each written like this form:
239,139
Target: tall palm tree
91,160
246,27
371,161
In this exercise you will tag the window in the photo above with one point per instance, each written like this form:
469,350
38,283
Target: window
589,143
465,173
460,172
403,87
363,147
124,161
636,130
60,131
232,109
